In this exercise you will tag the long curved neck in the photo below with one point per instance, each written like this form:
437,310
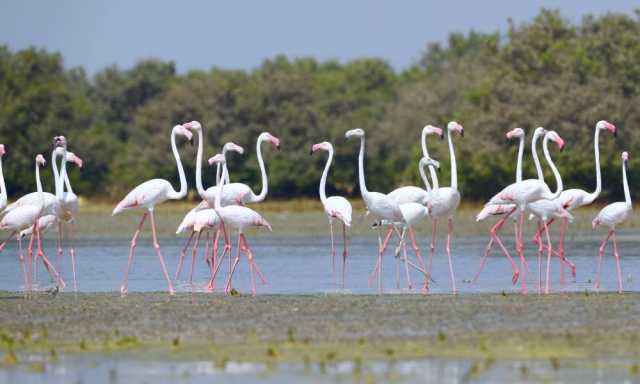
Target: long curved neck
323,179
519,165
625,184
423,175
183,180
56,174
199,185
425,153
3,188
596,149
263,174
363,186
39,186
534,154
454,168
556,174
67,183
220,183
59,178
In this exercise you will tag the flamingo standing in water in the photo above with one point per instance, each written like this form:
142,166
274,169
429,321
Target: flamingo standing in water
336,207
527,191
240,218
146,196
611,216
380,205
444,202
3,187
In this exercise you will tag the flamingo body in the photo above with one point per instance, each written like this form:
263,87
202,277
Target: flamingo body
145,195
338,207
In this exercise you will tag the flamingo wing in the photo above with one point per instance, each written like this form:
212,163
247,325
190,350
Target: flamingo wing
145,195
612,215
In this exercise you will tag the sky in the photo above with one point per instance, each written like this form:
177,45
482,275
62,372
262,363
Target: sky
240,34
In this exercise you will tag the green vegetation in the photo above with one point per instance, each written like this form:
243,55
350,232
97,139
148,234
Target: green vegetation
548,72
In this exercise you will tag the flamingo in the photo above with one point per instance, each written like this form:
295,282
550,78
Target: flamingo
146,196
527,191
240,218
497,210
379,204
611,216
336,207
28,215
576,198
445,201
3,187
189,220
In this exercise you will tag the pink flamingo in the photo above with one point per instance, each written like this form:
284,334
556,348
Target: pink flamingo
189,220
444,202
497,210
527,191
611,216
3,187
28,215
576,198
240,218
146,196
336,207
380,205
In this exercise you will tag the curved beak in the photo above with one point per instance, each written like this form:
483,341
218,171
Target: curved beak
462,132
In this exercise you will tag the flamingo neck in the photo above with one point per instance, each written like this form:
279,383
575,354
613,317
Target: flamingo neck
39,186
363,186
56,174
220,183
183,180
534,154
67,183
556,174
519,165
596,149
199,185
3,187
323,179
454,168
263,174
423,175
425,153
625,184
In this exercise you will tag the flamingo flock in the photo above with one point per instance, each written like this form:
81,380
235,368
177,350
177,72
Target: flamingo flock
394,214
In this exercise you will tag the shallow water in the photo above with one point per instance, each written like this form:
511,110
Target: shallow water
301,264
113,369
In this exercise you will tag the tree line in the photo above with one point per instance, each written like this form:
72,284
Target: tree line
551,72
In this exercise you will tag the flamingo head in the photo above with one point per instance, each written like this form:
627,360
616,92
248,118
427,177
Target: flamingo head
2,151
230,146
40,161
603,124
266,136
194,125
553,136
425,161
357,132
431,130
515,133
181,130
60,141
454,126
625,156
325,146
74,159
217,159
540,131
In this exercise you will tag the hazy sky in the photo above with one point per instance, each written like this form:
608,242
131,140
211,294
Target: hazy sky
240,34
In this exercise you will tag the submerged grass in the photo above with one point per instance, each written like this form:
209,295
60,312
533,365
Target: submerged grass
322,328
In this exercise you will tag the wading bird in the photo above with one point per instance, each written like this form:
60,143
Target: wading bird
611,216
146,196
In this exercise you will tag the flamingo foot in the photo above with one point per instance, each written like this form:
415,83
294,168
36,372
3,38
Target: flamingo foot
516,276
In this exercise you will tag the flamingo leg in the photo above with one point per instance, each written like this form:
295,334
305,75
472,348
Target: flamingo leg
539,252
432,246
546,232
247,251
493,232
30,261
52,270
333,251
183,253
617,256
156,246
21,258
448,249
132,248
214,259
194,253
72,252
600,257
344,251
378,267
235,264
520,250
207,255
59,244
406,259
416,250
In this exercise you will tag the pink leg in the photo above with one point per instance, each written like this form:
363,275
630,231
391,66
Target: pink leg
382,245
52,271
520,250
4,243
487,251
214,258
406,259
132,248
448,249
59,244
156,246
244,247
21,258
207,255
416,250
617,256
333,251
183,254
600,257
30,255
344,251
194,253
432,246
540,250
72,252
235,264
227,248
546,232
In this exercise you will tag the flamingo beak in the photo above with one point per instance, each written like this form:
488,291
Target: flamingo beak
78,161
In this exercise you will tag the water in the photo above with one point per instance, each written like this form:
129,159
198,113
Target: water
302,265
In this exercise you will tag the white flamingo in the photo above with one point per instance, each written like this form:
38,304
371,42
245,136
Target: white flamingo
240,218
146,196
527,191
3,187
444,202
611,216
380,205
336,207
27,215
